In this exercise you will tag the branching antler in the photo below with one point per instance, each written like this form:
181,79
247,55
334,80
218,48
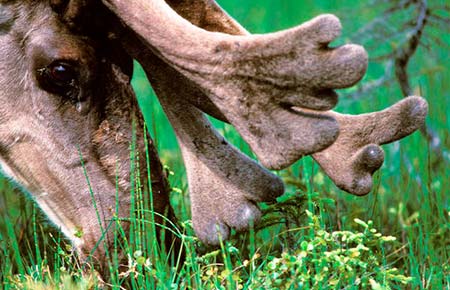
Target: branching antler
355,155
273,88
256,80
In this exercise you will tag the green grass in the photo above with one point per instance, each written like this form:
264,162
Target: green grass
300,240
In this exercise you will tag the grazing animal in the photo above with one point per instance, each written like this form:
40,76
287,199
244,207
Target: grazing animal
69,74
66,123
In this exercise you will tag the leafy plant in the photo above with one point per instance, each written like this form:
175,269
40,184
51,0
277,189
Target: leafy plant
329,260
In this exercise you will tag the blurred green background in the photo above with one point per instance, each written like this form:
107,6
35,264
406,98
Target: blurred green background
411,196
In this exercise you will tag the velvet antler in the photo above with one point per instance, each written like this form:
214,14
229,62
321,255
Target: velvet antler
352,159
255,80
264,94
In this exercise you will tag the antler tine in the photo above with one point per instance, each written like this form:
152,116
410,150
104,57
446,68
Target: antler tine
355,156
255,80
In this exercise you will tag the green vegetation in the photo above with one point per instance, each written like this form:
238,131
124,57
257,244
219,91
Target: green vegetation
316,236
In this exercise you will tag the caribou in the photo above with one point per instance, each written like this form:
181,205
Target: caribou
68,109
67,118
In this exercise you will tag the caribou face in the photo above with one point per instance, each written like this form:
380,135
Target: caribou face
66,120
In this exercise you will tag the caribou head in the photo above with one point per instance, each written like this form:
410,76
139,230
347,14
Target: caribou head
276,89
66,121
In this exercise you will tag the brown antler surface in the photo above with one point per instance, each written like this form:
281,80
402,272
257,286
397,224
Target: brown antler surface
355,155
255,80
224,184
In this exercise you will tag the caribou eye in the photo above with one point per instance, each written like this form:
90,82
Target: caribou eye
59,77
62,73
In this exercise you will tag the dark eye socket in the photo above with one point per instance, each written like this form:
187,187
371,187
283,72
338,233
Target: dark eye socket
59,77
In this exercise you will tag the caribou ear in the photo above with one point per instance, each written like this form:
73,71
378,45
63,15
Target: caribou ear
208,15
